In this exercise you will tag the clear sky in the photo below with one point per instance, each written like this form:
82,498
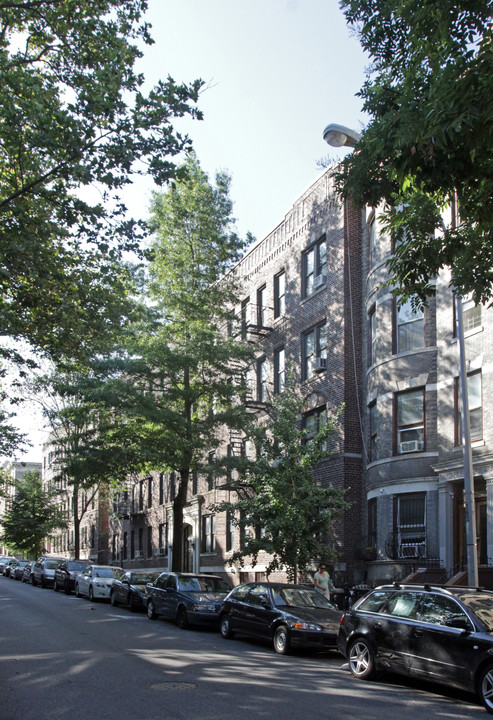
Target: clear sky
276,73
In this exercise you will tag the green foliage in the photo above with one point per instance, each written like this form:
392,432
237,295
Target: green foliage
290,513
429,141
75,124
32,517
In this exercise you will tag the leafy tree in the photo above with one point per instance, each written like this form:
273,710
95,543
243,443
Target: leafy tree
33,516
290,513
429,142
170,390
75,128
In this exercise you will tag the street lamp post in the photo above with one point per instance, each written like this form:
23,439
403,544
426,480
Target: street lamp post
342,136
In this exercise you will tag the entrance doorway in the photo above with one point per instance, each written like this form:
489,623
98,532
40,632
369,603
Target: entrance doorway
187,548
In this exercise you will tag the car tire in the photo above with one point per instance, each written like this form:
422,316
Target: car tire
33,581
151,613
66,589
225,627
281,640
91,594
77,593
55,586
182,618
132,605
113,599
361,659
485,687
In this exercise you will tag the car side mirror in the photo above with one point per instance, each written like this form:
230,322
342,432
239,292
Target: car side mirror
461,623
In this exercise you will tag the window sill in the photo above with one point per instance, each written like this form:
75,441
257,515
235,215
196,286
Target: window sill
313,294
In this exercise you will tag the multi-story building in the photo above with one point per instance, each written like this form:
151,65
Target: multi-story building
414,468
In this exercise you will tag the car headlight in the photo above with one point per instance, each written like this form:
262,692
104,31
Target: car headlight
204,607
300,625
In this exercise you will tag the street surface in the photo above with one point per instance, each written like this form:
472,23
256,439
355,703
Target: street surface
63,658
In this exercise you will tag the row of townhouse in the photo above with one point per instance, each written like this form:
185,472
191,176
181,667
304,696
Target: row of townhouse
314,305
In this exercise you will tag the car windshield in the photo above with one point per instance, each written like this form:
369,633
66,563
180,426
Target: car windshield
300,597
481,606
77,565
52,564
203,584
106,573
142,578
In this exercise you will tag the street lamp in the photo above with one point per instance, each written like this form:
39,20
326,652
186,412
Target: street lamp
342,136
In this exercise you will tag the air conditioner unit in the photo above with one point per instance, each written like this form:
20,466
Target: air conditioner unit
319,280
139,554
320,364
410,446
412,550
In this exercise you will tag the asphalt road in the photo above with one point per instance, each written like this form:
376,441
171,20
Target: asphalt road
63,658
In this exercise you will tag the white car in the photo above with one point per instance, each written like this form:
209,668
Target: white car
96,580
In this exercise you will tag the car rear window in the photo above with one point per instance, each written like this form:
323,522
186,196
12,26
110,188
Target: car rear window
375,601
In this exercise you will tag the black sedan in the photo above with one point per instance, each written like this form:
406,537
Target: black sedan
17,571
441,634
186,598
131,588
288,615
67,573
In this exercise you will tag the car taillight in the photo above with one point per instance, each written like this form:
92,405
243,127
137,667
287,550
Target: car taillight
342,618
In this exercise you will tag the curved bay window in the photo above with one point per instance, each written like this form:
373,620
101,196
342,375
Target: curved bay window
410,407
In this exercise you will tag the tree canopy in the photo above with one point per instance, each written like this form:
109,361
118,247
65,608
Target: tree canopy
75,127
429,141
280,507
33,516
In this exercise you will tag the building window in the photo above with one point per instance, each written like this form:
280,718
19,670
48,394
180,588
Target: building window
410,328
209,534
163,538
374,254
161,488
244,317
471,315
475,402
314,422
150,488
372,523
411,525
230,532
125,545
410,421
141,495
141,542
314,351
132,544
261,307
372,415
372,335
279,370
149,542
314,267
280,294
262,380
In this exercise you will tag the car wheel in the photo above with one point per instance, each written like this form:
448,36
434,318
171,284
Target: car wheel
113,598
361,658
66,589
485,687
33,580
182,618
77,593
281,640
132,605
151,613
225,627
91,594
55,586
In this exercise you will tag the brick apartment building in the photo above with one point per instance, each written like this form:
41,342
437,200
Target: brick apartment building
312,301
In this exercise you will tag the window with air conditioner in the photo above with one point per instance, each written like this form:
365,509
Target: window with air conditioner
410,422
475,403
411,525
314,349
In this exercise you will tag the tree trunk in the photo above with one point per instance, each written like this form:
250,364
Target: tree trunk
178,506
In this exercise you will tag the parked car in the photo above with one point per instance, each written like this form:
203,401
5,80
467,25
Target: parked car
3,561
442,634
186,598
288,615
28,571
44,571
17,571
7,568
131,588
96,580
66,574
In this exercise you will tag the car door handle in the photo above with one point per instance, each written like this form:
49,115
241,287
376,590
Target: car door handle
417,633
